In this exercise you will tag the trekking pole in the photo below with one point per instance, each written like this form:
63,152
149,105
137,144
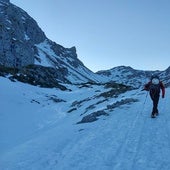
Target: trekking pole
144,103
163,106
146,97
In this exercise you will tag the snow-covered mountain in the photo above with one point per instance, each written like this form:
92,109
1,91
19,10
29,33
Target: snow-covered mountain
136,78
23,43
165,75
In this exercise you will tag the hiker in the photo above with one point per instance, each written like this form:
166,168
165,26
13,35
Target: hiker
154,86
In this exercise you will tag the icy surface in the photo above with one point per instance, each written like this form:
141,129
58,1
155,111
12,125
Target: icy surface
38,133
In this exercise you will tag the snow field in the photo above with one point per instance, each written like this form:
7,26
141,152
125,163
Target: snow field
37,133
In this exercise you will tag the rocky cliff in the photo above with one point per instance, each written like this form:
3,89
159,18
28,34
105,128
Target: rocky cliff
19,33
23,43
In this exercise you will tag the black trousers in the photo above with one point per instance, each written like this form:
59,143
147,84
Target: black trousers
155,99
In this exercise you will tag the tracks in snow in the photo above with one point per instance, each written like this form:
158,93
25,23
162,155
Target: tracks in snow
145,145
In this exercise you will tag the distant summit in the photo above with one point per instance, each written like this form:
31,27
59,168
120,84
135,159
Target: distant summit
132,77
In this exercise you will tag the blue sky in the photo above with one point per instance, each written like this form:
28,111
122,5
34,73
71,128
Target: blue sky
107,33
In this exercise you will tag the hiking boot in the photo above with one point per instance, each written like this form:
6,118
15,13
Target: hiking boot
153,115
157,113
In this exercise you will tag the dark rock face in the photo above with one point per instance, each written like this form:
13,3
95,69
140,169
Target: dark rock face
92,117
37,75
19,37
18,34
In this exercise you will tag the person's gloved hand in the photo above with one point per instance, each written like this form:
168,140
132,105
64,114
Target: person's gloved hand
163,96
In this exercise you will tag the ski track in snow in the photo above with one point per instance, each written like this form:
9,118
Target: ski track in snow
127,139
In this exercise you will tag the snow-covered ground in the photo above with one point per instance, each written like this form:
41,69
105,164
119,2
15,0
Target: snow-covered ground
37,133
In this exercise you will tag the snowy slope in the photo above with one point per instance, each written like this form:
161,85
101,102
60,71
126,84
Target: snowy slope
125,75
129,76
38,132
66,58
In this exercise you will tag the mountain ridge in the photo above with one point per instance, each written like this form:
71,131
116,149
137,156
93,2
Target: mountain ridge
133,77
23,43
24,46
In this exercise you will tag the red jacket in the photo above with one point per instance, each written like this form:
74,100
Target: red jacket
147,86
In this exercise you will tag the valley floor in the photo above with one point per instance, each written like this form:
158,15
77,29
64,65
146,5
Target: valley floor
43,136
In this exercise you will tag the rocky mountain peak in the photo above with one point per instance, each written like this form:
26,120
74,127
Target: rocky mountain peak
23,43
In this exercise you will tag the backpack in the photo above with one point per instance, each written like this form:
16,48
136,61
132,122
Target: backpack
154,87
